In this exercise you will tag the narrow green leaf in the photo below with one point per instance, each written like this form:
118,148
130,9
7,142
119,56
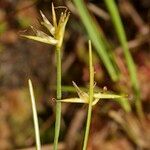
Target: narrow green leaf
96,38
112,8
35,118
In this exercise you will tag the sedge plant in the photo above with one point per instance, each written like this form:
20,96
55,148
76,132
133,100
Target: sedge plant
55,37
90,98
102,45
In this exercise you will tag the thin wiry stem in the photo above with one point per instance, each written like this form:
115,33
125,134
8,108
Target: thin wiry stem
90,98
58,104
35,118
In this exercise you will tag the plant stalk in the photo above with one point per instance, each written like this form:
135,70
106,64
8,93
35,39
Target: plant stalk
58,104
90,98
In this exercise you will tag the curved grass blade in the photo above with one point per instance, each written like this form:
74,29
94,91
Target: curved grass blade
35,118
113,10
96,38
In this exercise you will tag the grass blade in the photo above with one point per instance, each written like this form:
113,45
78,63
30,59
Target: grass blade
113,10
96,37
35,118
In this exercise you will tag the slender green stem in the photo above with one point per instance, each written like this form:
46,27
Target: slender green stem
58,104
96,37
90,98
35,118
116,19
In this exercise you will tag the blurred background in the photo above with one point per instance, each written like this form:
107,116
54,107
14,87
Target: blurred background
21,59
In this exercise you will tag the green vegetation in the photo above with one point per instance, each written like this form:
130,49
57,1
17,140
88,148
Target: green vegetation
92,97
113,10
